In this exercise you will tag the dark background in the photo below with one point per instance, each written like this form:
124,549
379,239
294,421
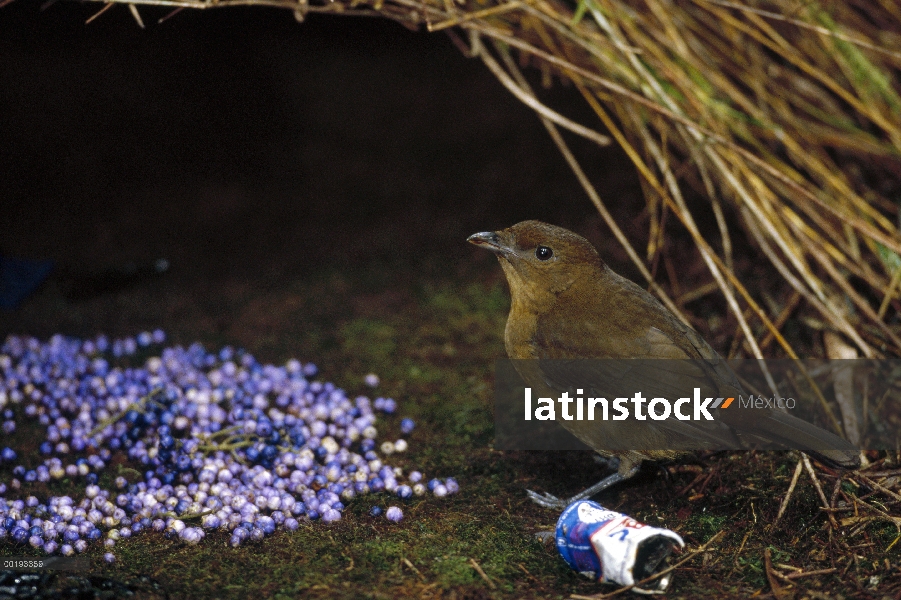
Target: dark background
249,149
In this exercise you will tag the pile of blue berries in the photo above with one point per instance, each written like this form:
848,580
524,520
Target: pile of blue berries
217,441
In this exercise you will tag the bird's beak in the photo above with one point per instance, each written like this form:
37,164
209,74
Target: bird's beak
489,240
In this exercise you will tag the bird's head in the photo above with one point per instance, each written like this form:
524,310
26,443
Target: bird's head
541,260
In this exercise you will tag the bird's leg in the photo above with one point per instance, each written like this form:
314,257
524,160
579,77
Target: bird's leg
627,469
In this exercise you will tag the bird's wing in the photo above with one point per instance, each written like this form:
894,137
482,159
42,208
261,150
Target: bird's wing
578,354
654,333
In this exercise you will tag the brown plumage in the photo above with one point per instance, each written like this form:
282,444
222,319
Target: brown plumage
567,304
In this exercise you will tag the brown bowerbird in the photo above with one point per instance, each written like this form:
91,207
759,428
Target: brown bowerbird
567,305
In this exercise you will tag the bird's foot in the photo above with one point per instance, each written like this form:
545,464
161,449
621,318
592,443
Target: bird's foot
610,462
547,500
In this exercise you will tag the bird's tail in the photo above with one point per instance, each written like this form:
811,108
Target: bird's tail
792,432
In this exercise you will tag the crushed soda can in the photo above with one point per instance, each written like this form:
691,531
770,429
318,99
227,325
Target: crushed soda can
615,548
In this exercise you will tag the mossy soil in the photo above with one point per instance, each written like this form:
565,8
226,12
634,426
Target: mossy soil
434,352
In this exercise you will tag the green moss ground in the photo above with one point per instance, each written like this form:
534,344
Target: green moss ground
434,349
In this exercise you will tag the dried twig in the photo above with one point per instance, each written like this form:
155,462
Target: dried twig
778,591
482,573
788,494
816,484
415,570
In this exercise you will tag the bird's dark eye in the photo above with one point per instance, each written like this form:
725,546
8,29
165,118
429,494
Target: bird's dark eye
543,253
